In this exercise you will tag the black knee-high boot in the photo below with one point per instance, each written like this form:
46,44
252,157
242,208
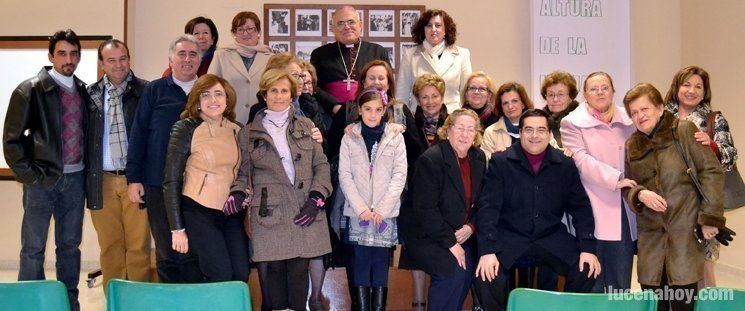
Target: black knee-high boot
363,298
379,298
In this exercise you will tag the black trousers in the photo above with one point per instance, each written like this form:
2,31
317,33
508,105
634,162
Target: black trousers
218,240
493,295
287,283
673,304
172,266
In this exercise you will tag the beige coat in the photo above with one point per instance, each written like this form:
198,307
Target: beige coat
227,63
454,67
495,139
667,238
383,188
276,200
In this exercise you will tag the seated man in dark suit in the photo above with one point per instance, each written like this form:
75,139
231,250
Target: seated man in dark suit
526,191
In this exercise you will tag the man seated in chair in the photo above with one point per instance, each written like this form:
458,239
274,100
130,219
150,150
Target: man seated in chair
526,191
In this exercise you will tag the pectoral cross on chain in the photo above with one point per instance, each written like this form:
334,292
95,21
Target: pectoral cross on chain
349,83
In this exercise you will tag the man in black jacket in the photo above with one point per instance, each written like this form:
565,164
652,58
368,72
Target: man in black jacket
526,191
44,145
121,225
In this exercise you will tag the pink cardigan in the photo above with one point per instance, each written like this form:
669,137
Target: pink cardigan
599,153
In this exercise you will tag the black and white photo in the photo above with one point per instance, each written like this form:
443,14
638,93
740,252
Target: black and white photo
403,47
304,48
279,46
389,48
308,22
408,19
381,23
279,24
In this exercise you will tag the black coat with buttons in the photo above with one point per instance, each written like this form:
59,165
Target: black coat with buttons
519,208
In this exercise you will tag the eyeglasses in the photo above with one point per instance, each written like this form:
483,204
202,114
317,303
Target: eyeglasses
460,130
479,89
210,96
349,22
298,76
248,30
434,26
530,131
596,90
555,95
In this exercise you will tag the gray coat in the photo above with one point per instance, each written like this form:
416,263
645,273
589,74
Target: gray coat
276,200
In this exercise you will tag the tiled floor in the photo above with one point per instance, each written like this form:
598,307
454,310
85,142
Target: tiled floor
335,290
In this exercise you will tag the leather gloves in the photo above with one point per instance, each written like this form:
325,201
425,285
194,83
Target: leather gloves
310,209
234,203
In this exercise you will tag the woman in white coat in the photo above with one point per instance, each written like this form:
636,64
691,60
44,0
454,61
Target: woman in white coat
243,62
435,53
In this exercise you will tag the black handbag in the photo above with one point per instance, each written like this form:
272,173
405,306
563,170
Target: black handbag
734,188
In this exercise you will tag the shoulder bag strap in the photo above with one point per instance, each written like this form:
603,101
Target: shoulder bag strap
689,170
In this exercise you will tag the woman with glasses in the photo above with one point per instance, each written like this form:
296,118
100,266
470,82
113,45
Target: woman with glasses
512,100
559,89
243,61
435,53
596,133
478,95
441,236
205,31
204,213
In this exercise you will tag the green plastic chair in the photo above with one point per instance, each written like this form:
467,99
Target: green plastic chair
128,295
533,299
34,296
720,299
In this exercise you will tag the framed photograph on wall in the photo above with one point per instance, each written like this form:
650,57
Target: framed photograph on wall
408,18
381,23
308,23
403,47
390,48
279,23
279,46
304,48
299,28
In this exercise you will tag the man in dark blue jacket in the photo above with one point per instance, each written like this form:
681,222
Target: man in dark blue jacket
526,191
161,103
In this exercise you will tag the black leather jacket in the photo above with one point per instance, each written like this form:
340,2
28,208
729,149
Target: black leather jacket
32,134
94,148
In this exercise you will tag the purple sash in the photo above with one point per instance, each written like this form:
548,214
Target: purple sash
338,89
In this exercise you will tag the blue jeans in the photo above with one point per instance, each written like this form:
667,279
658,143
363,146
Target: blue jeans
64,202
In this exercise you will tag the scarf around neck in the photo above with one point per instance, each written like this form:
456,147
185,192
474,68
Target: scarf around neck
248,50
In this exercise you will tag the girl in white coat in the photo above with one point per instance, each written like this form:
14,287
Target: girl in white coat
372,175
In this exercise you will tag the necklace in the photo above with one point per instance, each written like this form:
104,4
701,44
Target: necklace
278,125
348,80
